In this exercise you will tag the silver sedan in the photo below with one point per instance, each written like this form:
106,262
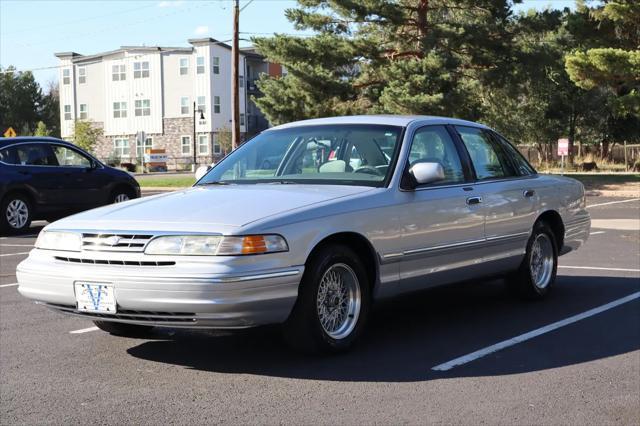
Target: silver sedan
346,211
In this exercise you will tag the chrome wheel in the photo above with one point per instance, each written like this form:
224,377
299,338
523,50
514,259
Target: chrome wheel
17,214
338,301
541,262
120,198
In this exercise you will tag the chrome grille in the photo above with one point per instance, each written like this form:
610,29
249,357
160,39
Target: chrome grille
115,242
115,262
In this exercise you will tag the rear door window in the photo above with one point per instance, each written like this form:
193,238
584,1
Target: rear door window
521,165
8,155
489,162
35,155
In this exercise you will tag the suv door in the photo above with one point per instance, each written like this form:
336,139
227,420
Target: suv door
85,185
443,227
37,163
507,194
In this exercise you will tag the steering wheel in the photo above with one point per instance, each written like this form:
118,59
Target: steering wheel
368,170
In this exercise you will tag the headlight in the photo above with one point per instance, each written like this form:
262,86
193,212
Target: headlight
58,240
204,245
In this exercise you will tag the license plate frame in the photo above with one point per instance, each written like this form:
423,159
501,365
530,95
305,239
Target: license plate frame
95,297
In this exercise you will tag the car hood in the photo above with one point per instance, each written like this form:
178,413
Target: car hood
206,208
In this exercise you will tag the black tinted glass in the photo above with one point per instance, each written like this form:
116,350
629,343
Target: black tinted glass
35,155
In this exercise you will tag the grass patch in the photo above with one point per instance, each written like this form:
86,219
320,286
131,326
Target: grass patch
165,181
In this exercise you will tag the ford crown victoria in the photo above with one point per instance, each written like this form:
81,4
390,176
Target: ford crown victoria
346,211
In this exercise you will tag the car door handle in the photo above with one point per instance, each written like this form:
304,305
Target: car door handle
528,193
474,200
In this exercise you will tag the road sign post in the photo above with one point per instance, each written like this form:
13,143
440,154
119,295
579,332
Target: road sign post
563,149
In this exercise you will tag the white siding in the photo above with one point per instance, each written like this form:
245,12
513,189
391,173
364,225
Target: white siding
67,97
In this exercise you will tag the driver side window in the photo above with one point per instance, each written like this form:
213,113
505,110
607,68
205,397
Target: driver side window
70,158
432,144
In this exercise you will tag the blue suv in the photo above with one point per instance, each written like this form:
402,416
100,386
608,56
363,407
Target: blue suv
48,178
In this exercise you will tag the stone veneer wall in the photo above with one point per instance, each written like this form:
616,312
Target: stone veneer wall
169,140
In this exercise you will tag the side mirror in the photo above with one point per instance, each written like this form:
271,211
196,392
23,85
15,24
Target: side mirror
425,173
201,171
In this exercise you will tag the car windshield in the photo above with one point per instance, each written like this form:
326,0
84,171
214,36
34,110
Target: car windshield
342,154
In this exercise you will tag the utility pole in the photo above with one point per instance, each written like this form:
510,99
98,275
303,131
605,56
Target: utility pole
235,76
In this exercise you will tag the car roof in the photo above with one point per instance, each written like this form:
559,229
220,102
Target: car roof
21,139
390,120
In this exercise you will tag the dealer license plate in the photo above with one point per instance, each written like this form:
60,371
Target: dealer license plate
94,297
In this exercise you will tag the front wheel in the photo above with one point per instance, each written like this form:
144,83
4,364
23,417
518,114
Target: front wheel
121,195
537,273
122,329
333,302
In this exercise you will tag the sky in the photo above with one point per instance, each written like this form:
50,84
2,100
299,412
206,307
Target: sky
31,31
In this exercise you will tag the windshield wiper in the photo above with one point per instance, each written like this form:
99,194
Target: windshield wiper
282,182
215,182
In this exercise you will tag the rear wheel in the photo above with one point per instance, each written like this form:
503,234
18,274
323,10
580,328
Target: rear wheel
16,213
122,329
333,302
537,273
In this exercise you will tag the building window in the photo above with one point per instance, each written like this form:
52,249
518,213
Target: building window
216,65
83,111
202,101
184,105
118,73
82,75
121,147
185,144
143,107
216,104
242,119
141,69
141,149
217,149
200,64
203,144
241,81
66,76
184,66
67,112
119,110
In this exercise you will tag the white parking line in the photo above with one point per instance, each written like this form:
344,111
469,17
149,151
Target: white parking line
597,232
534,333
84,330
8,285
14,254
613,202
597,268
17,245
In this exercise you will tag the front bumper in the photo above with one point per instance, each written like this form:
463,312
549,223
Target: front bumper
170,296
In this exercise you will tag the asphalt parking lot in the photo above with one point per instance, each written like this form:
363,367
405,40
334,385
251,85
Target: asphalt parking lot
464,354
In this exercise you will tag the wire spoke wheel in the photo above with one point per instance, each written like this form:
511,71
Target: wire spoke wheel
338,301
17,213
541,261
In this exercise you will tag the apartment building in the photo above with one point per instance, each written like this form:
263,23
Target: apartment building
153,90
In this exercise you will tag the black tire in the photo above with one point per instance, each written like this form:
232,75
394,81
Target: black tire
119,192
9,202
303,330
122,329
521,282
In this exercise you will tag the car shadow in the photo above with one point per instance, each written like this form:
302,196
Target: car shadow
407,336
30,232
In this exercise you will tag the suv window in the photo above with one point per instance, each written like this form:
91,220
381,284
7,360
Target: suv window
521,165
488,160
35,155
70,158
8,156
432,144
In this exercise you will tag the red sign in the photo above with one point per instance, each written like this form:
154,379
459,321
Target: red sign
563,147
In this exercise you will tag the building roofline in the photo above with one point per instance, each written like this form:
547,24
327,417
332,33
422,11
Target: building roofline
208,40
62,55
